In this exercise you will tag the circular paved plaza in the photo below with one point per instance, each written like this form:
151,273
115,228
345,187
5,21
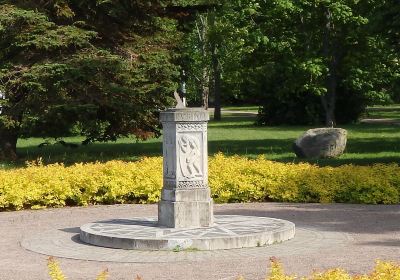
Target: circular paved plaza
337,235
68,245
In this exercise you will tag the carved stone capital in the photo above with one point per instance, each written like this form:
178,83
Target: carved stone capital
184,115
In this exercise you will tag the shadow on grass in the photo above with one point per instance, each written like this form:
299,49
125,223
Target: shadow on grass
373,129
367,144
251,147
373,145
343,161
367,151
98,152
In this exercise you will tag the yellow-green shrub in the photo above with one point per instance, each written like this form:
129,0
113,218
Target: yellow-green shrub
238,179
55,272
382,271
81,184
232,179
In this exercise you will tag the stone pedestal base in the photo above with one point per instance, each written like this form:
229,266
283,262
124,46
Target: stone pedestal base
228,232
185,214
185,208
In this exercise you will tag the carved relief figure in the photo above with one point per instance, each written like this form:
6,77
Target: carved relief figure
189,157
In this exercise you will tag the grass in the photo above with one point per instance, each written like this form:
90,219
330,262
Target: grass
253,109
384,112
123,149
367,144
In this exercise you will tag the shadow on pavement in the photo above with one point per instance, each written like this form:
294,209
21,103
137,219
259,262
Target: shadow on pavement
369,219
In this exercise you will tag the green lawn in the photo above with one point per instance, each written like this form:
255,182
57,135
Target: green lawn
253,109
380,112
367,144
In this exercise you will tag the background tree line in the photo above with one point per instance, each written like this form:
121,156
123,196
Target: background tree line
303,62
104,68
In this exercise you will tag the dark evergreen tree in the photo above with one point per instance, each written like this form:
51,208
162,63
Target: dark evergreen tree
103,68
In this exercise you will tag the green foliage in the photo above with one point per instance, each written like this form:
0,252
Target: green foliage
304,61
103,68
222,31
311,41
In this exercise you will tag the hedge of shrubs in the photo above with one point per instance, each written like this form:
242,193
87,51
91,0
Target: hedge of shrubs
232,179
382,271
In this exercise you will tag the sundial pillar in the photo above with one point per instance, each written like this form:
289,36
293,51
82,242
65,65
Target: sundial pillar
185,199
185,212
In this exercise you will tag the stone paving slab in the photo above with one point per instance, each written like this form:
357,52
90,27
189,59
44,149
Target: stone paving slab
349,236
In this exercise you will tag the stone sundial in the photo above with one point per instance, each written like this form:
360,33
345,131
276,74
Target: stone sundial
185,212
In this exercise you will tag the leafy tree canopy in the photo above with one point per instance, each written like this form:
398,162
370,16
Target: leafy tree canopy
100,67
306,61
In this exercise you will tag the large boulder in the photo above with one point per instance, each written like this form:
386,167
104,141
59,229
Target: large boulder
321,143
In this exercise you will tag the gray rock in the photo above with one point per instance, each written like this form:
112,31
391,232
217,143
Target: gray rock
321,143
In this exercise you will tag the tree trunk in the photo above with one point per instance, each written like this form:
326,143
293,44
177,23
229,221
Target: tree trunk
216,84
216,77
205,78
329,98
8,145
205,89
